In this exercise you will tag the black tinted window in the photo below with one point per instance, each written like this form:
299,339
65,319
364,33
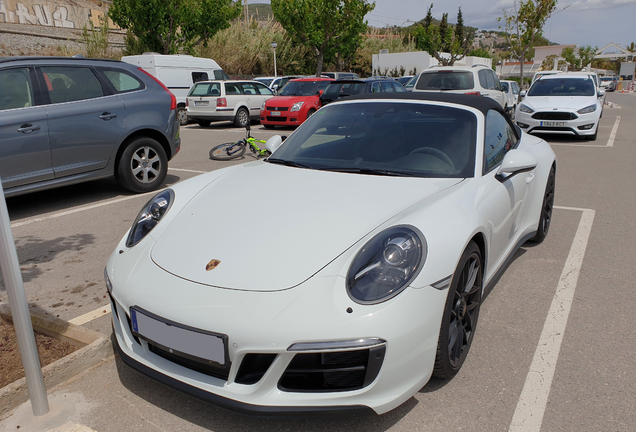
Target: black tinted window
67,84
199,76
15,89
445,80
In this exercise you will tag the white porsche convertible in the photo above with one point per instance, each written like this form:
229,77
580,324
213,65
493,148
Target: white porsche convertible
354,279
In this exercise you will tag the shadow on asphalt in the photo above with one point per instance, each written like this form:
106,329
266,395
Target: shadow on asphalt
68,197
218,419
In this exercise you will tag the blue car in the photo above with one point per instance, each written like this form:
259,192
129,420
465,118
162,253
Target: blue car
343,88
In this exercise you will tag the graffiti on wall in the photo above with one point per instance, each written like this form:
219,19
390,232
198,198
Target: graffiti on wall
51,15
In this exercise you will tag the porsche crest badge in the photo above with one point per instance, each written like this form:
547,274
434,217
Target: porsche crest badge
212,264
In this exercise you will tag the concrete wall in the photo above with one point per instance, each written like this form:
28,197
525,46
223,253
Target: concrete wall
71,14
418,60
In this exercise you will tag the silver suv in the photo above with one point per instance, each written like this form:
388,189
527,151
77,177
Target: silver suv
477,80
70,120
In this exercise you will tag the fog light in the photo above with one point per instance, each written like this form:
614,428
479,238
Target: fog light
586,127
523,125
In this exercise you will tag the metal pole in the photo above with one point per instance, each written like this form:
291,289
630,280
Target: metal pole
275,74
20,313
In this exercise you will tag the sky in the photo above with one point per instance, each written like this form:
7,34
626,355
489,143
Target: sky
582,22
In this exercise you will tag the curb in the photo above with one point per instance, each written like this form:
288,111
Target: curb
95,348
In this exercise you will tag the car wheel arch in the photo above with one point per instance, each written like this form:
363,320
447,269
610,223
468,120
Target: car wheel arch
150,133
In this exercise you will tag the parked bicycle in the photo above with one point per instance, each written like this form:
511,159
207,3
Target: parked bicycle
235,150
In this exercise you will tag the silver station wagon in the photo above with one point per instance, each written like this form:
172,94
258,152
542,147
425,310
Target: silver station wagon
70,120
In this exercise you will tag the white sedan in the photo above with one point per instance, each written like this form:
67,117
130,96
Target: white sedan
386,219
562,104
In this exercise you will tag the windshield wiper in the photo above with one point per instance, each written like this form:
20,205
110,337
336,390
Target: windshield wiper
286,163
370,171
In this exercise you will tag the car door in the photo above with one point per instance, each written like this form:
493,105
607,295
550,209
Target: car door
25,154
491,86
506,200
253,98
85,123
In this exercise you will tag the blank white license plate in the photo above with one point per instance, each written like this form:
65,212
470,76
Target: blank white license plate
179,338
275,113
201,103
553,124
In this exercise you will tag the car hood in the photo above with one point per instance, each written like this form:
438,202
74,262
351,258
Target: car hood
287,101
272,227
551,103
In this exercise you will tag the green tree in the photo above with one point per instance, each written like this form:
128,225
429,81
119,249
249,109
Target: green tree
569,55
523,24
587,54
326,26
169,25
443,38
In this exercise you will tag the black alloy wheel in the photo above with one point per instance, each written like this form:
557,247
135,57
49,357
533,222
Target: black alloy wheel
546,208
460,314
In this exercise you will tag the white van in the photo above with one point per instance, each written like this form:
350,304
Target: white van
178,72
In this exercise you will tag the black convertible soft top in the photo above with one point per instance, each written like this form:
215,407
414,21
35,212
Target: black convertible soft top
482,103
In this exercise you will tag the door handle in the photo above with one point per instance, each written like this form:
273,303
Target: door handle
28,128
107,116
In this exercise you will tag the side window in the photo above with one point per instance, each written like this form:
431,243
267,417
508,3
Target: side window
399,88
483,81
207,89
122,80
232,89
375,87
387,86
264,90
68,84
249,89
220,75
199,76
496,84
500,138
15,89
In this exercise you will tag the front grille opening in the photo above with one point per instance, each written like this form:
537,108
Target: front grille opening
555,116
276,108
553,128
276,119
191,363
253,367
131,329
333,371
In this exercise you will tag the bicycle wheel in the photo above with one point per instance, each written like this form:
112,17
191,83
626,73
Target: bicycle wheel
228,151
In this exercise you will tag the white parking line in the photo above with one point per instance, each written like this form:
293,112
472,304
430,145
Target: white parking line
77,210
90,316
187,170
610,141
531,406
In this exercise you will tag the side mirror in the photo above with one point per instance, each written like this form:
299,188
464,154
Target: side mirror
523,93
320,92
272,144
515,162
601,92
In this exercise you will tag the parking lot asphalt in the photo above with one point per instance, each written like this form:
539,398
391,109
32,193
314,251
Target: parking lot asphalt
554,347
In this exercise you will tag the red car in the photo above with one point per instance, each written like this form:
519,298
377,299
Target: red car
298,100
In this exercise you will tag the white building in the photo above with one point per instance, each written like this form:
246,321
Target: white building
415,62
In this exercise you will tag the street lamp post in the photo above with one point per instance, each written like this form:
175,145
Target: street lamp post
274,45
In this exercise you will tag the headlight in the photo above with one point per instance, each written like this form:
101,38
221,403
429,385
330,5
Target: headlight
386,265
296,106
525,109
263,106
149,216
587,109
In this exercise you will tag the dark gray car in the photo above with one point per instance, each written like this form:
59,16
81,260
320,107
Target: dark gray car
70,120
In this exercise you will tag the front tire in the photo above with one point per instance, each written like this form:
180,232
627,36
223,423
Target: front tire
268,126
546,208
460,314
242,118
310,113
143,166
592,137
221,153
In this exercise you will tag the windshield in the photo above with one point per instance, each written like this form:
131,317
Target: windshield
385,138
411,83
266,81
300,88
334,91
562,87
446,80
608,79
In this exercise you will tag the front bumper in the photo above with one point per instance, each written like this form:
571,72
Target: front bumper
286,118
270,323
558,123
